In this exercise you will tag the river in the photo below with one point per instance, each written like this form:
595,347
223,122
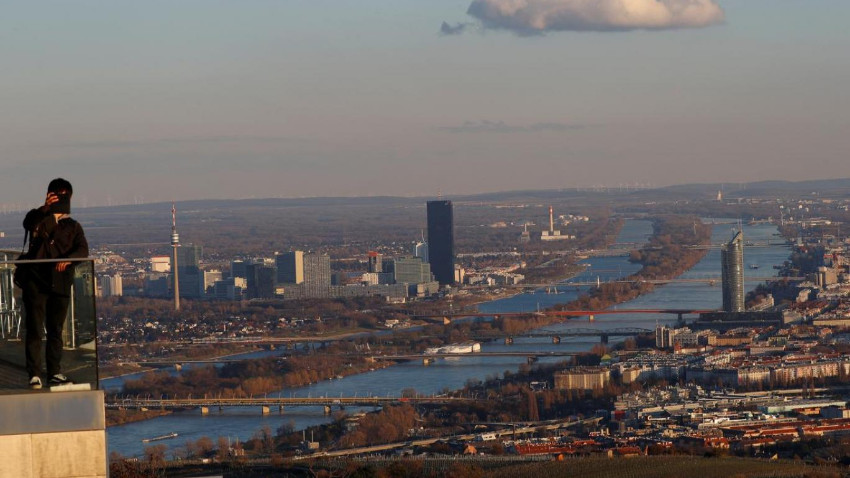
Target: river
242,423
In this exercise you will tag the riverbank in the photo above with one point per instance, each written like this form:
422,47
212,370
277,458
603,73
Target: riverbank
115,417
256,377
128,363
513,293
667,255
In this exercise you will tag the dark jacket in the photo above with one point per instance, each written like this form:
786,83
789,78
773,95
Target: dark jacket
52,240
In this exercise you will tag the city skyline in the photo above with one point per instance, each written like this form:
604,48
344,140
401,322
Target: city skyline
291,100
338,307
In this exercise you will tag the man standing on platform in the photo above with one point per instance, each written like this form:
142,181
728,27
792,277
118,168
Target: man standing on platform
46,287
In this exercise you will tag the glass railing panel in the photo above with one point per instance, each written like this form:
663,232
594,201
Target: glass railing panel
79,332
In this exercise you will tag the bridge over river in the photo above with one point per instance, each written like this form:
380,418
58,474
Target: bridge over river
426,358
557,335
532,356
266,403
596,283
564,313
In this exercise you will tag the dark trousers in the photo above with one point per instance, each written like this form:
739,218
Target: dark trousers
43,310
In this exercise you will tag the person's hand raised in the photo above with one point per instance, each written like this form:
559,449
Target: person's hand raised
50,199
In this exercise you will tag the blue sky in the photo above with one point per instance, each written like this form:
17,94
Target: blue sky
164,100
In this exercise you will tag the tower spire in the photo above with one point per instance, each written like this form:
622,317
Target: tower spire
551,221
175,243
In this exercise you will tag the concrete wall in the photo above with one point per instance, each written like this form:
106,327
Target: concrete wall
52,435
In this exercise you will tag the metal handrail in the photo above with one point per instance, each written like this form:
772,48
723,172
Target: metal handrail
47,261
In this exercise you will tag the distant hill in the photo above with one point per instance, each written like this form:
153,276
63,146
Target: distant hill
339,219
824,187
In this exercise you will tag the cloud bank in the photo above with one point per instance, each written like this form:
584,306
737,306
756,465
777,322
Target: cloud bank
529,17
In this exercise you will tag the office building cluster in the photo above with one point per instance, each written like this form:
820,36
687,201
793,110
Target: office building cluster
299,274
290,275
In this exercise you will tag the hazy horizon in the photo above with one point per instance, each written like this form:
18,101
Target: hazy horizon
211,99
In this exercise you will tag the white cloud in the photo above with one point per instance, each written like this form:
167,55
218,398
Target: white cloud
539,16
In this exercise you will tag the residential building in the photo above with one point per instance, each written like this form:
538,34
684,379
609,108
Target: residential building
111,286
317,275
582,378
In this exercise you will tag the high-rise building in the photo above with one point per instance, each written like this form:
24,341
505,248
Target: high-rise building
189,275
411,270
210,278
111,286
232,288
189,256
375,262
290,267
441,242
157,284
261,280
237,269
421,250
317,275
732,270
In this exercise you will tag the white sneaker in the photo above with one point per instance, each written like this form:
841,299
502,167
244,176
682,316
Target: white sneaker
59,379
35,383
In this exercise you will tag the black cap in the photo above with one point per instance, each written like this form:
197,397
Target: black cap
58,185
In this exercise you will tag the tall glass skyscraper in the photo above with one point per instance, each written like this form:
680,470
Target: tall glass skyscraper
290,267
441,241
190,276
732,265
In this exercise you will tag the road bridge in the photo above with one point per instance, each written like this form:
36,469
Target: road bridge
408,357
576,332
568,313
556,336
161,363
591,314
576,284
268,402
